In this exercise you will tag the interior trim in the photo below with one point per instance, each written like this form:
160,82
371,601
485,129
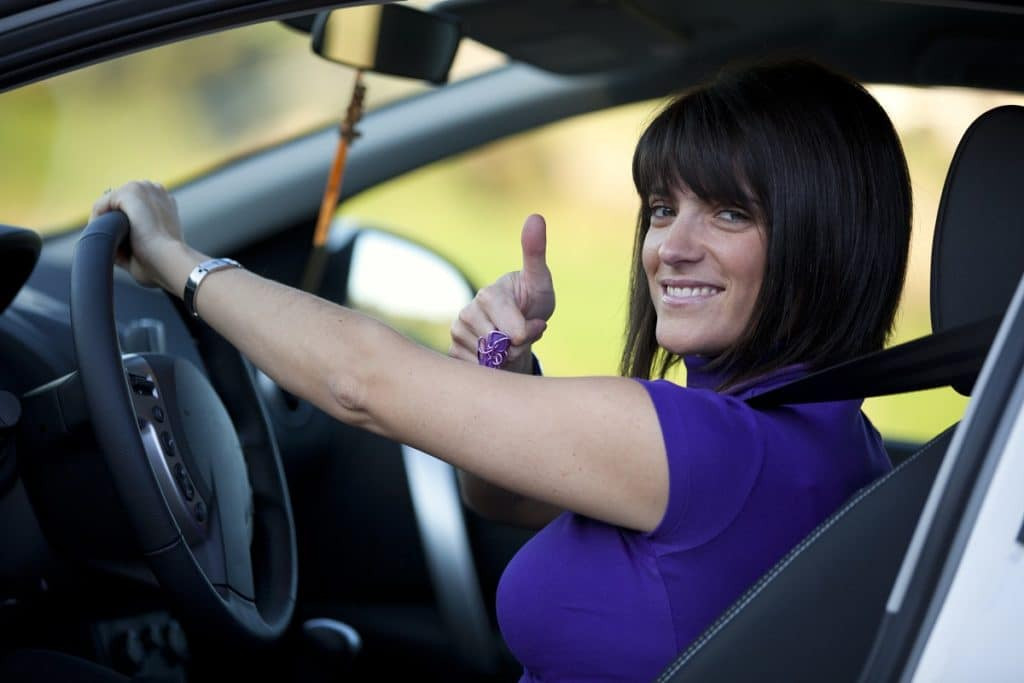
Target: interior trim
999,398
442,526
983,568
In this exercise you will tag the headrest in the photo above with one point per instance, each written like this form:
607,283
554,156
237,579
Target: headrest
978,250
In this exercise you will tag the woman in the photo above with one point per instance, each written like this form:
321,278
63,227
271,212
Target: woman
772,239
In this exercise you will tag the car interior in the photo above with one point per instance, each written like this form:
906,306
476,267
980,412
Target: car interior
311,550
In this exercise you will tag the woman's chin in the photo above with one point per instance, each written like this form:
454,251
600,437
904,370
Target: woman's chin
682,344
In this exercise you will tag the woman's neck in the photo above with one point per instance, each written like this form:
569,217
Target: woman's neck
697,374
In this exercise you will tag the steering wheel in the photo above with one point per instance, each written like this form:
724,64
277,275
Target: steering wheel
223,547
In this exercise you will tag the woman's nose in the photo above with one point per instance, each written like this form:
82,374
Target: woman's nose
682,240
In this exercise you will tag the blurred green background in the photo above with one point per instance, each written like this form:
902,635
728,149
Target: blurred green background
175,112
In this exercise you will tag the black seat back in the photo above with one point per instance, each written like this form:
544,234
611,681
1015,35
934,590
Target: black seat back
978,249
815,615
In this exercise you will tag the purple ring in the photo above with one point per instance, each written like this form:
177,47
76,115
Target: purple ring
492,349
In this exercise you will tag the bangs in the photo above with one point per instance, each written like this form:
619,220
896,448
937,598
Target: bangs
695,142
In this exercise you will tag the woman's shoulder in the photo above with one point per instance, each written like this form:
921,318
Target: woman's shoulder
721,449
725,420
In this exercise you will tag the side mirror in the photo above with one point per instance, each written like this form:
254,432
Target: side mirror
388,39
406,286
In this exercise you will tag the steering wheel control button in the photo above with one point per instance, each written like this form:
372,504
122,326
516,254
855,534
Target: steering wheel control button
200,511
158,413
141,385
188,489
168,442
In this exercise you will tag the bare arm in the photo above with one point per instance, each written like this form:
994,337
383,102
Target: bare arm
591,445
501,505
519,303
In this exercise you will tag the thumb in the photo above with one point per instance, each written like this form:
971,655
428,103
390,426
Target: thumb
534,240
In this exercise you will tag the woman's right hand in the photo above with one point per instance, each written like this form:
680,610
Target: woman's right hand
155,230
518,303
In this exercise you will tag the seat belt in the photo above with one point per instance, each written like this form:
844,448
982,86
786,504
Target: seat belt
952,357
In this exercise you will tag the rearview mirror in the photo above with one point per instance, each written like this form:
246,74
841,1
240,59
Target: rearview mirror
388,39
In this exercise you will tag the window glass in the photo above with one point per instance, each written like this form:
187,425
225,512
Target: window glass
173,112
577,174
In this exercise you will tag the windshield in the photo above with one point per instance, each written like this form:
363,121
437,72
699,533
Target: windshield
172,113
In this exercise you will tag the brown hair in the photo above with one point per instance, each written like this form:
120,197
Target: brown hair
815,156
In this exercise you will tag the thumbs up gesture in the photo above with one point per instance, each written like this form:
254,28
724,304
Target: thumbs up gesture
518,303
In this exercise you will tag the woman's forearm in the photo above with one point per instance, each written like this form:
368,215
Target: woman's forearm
311,347
499,504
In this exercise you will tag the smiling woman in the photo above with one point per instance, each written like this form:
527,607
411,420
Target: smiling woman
749,189
777,190
663,487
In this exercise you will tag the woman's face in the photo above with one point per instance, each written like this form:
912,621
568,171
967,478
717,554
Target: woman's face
704,264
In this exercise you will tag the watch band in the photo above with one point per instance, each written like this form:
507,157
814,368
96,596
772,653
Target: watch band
197,276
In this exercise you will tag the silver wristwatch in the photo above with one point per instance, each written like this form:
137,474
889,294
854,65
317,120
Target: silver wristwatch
197,276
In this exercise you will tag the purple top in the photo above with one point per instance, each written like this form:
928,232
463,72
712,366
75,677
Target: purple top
587,601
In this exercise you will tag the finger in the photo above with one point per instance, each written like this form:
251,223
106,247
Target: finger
463,339
100,206
534,242
475,319
460,352
500,308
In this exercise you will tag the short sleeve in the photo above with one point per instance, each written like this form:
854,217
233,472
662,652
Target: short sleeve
715,455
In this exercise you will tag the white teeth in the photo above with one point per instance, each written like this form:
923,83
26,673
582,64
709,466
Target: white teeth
689,292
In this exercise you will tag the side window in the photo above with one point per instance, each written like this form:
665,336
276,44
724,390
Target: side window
577,174
471,209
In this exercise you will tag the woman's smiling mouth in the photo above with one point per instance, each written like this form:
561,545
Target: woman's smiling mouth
675,294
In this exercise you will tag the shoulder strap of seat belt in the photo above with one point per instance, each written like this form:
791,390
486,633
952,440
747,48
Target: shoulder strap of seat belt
949,358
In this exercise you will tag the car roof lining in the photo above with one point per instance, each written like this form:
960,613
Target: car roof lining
973,44
913,42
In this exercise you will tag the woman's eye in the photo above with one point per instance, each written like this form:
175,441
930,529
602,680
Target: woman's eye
733,216
660,211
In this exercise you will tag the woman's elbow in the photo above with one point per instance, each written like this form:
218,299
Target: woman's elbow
348,399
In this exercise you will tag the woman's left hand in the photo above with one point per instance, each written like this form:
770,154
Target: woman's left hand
155,229
518,304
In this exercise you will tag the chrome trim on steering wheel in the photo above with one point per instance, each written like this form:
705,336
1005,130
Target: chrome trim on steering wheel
164,460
